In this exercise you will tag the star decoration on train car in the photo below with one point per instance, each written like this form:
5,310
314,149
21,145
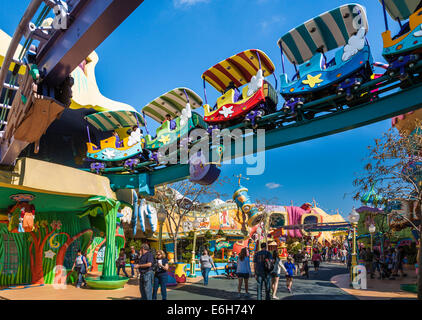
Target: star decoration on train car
226,111
109,154
164,139
312,81
49,254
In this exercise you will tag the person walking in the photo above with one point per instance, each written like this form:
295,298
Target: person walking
376,265
344,255
398,263
298,259
134,256
316,259
160,276
80,266
335,253
206,264
276,274
121,263
290,271
146,273
305,268
324,253
349,261
368,257
263,267
389,260
243,271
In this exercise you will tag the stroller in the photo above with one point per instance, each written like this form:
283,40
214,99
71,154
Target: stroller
385,271
230,270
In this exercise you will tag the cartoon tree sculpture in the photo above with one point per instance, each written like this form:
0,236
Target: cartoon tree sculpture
62,251
39,236
96,246
109,208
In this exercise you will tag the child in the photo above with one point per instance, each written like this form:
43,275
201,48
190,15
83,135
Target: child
290,270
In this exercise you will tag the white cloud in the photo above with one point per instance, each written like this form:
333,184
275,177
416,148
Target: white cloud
187,3
270,22
272,185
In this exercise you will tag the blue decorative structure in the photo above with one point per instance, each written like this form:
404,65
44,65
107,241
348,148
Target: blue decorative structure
408,40
244,203
305,47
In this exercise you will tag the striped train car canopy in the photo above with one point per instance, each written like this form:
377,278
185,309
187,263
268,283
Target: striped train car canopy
111,120
328,31
401,9
172,103
238,69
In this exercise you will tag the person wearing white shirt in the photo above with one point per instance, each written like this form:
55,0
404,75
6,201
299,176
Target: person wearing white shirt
276,273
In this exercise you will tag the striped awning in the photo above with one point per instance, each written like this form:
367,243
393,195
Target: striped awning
328,31
111,120
172,103
238,69
401,9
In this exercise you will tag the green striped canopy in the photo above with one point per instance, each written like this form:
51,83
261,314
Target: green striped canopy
172,103
401,9
328,31
111,120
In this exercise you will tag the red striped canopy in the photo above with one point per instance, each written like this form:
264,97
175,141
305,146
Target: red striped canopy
238,69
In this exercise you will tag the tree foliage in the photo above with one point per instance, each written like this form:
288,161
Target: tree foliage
393,169
180,200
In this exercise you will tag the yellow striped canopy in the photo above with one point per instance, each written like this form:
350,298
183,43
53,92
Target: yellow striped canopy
172,103
328,31
112,120
401,9
238,69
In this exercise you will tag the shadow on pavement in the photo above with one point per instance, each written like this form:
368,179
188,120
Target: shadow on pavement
123,298
202,290
325,284
319,297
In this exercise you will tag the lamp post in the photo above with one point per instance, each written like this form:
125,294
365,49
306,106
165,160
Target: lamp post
161,217
354,219
371,232
312,246
195,226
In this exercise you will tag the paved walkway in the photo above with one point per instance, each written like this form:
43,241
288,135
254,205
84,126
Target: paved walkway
331,282
318,287
378,289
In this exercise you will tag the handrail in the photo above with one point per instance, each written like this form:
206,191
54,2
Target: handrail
20,30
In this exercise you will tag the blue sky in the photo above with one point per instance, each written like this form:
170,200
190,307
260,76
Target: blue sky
170,43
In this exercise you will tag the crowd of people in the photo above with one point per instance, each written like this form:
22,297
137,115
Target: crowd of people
151,267
388,264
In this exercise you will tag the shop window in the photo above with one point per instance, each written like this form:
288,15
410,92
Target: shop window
310,220
11,258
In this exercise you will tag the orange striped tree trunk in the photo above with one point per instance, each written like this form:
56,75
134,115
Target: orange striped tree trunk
62,252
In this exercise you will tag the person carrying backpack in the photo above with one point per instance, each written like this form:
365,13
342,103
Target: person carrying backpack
264,265
80,266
